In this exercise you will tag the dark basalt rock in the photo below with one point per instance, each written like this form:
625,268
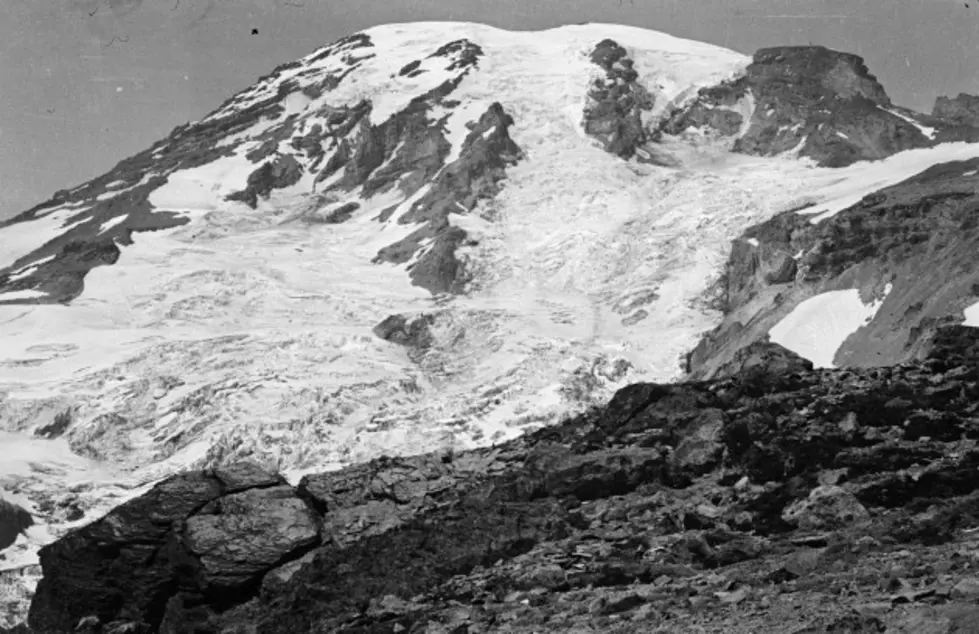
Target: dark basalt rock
196,539
613,114
279,173
463,54
767,356
919,236
414,332
475,175
962,110
14,520
823,103
630,507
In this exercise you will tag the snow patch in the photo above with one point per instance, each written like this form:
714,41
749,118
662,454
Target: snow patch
817,327
972,316
926,130
835,189
108,224
202,189
21,294
22,238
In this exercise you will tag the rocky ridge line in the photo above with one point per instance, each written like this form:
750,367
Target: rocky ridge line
820,103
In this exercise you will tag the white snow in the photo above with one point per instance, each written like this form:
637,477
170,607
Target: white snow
202,189
22,273
835,189
455,127
817,327
927,131
269,322
22,294
108,224
22,238
969,173
841,135
972,316
29,463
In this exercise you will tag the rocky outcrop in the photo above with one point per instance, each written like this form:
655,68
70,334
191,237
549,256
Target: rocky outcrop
734,505
429,252
820,103
962,110
195,544
616,104
409,331
349,154
916,238
14,520
281,172
758,355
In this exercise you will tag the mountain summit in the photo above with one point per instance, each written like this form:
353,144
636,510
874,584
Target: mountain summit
441,236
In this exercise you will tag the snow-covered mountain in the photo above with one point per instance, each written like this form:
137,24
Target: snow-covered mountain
433,235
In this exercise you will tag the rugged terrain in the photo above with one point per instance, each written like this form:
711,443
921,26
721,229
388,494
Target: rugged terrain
794,500
447,328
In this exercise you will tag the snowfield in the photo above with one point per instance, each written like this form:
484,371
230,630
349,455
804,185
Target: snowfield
818,326
247,334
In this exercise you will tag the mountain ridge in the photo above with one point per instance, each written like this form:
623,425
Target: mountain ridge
432,236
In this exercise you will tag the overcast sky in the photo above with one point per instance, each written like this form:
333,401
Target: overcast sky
85,83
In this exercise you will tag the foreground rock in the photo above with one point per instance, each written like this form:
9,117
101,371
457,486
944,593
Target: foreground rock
774,501
195,544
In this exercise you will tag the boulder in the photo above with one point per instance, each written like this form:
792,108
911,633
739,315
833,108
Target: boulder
199,537
14,520
827,507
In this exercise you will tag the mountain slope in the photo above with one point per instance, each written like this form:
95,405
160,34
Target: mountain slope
422,236
802,501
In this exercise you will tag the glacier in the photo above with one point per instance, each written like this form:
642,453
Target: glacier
248,334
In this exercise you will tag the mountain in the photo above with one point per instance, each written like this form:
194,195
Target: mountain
444,237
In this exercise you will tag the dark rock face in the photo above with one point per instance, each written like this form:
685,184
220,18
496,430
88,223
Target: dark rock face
823,103
616,103
196,539
476,174
962,110
13,521
279,173
663,508
414,332
765,356
919,236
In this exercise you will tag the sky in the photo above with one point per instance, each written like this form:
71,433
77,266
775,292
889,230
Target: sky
86,83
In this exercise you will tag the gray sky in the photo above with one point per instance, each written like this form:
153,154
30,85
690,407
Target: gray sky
85,83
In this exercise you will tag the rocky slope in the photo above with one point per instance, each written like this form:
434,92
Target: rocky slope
791,500
909,248
820,104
